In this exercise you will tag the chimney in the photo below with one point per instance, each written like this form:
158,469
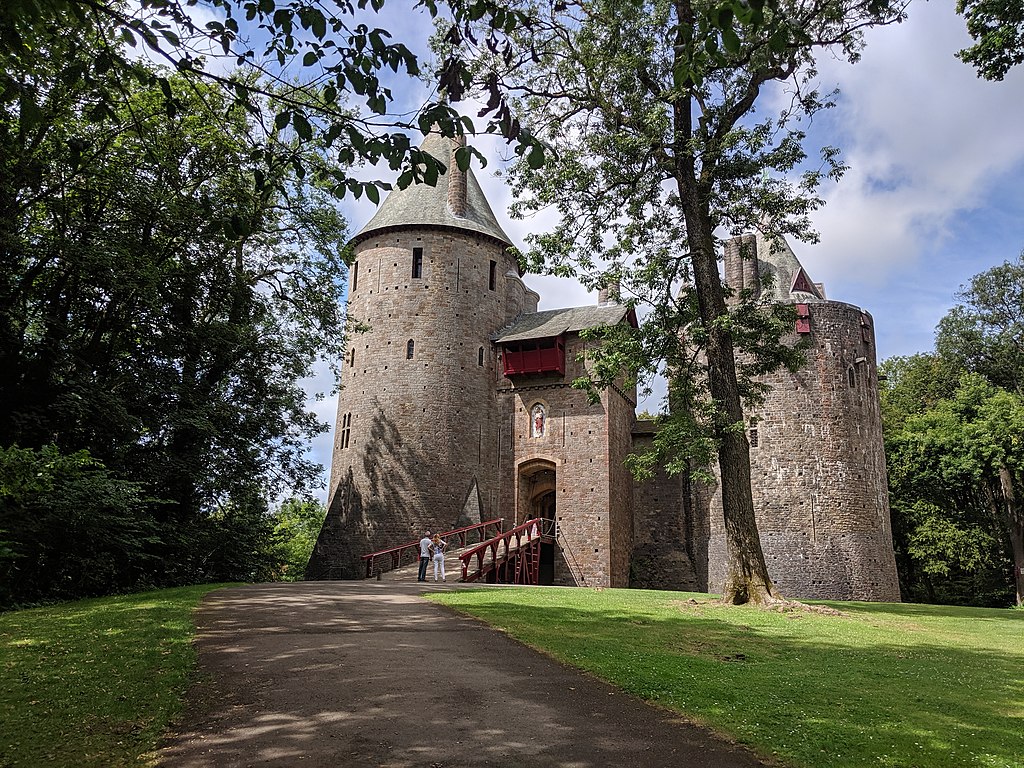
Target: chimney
456,181
751,278
609,294
741,266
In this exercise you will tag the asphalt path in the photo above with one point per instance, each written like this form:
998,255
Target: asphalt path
368,673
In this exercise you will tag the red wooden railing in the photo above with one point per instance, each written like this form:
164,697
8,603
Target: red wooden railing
398,553
514,556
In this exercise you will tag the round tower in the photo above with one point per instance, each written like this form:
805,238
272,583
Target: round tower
817,460
415,444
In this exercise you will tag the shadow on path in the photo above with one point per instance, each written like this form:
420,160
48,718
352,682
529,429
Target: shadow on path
366,673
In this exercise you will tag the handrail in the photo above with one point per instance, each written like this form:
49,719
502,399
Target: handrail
531,529
398,552
567,549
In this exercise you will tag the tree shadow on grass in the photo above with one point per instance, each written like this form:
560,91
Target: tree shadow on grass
816,691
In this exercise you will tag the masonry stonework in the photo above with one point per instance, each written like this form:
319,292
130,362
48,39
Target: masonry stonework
457,407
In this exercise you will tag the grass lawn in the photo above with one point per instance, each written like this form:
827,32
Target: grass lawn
94,682
885,684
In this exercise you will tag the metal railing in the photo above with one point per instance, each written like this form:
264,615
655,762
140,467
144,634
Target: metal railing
397,554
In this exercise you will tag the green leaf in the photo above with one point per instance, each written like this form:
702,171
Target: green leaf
319,24
373,194
302,126
730,40
535,159
778,41
282,119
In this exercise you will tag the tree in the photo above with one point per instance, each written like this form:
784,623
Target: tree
73,529
998,448
297,525
651,147
944,453
984,333
339,53
998,28
166,281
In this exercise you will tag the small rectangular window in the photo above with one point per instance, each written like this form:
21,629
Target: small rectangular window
355,275
417,262
493,279
753,437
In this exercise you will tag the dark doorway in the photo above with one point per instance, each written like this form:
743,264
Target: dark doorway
545,509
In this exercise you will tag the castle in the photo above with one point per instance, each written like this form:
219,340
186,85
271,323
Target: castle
457,407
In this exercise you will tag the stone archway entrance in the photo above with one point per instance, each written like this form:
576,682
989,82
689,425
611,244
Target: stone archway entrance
537,499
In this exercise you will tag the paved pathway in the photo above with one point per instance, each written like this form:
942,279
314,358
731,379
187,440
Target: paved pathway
367,673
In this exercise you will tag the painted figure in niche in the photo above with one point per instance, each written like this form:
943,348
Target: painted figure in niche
537,421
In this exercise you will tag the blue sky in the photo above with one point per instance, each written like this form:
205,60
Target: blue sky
934,194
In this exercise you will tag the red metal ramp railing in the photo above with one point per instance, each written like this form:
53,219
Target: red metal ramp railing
412,548
512,557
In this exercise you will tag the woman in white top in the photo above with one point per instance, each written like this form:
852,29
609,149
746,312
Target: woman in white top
437,548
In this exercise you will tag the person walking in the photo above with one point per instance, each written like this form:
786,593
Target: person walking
437,548
425,545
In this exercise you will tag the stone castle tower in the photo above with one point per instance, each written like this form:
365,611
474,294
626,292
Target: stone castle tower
817,459
457,407
417,423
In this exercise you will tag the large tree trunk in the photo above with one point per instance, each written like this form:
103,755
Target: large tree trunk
747,579
1015,527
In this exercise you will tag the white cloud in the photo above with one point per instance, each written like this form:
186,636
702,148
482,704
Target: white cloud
925,139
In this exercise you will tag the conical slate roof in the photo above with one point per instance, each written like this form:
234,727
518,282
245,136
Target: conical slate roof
422,205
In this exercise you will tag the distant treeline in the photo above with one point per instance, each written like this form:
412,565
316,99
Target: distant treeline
954,442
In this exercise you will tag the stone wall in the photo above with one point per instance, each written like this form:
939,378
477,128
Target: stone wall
818,469
420,422
664,549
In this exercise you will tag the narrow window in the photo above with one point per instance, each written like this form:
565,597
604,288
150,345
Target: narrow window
352,358
346,430
355,276
492,281
851,377
410,348
480,356
753,437
417,262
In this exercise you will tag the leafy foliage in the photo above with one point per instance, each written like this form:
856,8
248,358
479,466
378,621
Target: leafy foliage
297,524
166,282
73,528
998,28
954,433
984,333
313,60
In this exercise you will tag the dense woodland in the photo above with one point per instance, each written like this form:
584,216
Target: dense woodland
167,279
172,268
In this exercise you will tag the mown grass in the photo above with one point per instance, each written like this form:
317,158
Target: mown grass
907,686
94,682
